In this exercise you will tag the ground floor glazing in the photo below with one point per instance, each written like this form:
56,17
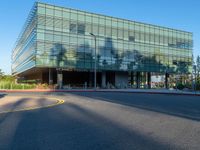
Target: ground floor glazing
61,78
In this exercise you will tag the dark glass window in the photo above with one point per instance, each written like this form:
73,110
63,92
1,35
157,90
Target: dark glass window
174,62
180,45
81,29
131,38
73,28
172,45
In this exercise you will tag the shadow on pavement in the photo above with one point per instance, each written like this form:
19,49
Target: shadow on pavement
176,105
2,95
11,108
73,127
18,105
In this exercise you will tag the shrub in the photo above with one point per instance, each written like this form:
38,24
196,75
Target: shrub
180,86
12,85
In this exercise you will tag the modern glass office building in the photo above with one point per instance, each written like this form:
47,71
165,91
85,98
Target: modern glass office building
56,46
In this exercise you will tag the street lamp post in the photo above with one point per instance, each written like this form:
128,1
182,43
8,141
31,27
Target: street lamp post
95,67
166,77
195,78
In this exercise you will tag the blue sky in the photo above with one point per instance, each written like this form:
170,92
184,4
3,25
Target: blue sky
179,14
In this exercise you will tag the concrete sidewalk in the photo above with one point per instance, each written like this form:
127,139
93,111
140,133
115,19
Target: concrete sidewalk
149,91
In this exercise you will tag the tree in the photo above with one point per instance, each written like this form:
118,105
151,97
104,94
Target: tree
198,65
1,73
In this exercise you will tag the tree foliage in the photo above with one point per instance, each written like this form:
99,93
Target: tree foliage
1,73
198,65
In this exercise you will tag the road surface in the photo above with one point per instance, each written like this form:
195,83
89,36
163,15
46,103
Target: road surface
104,120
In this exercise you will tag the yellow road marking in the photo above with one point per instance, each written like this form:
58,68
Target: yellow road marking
58,102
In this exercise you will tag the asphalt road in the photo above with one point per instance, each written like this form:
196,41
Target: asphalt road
100,121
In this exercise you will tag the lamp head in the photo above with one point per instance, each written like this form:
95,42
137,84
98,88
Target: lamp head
92,34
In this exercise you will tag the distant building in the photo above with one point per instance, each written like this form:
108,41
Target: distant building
55,46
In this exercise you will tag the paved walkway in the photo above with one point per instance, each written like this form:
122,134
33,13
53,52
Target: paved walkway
24,103
152,91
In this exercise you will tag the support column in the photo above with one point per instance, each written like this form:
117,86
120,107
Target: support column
131,79
138,79
166,80
50,77
91,78
103,79
149,79
59,79
121,79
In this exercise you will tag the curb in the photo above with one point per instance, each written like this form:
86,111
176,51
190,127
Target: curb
114,91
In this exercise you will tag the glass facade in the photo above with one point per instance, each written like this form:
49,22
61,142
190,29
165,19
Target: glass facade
24,52
57,37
